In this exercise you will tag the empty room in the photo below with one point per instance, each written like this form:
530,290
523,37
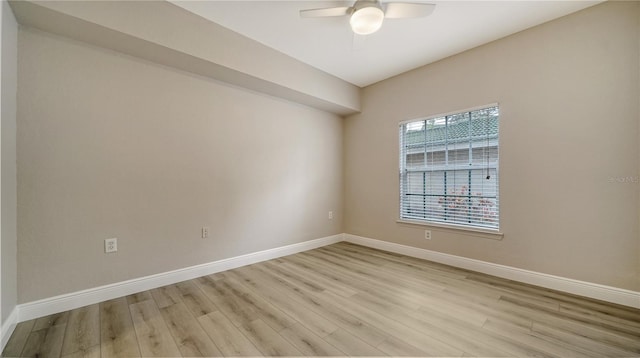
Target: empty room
320,178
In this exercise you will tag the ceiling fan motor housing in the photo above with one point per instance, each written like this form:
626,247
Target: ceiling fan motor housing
365,3
366,17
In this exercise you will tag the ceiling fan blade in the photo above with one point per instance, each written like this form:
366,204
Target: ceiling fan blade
331,11
399,10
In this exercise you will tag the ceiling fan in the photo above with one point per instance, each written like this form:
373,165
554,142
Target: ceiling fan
366,16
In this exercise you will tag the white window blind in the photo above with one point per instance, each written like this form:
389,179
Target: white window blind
449,169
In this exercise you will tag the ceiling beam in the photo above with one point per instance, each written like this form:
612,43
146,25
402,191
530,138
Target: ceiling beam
164,33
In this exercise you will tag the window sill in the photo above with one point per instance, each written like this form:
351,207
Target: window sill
461,230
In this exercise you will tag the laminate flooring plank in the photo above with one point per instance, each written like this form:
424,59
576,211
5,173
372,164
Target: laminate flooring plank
472,333
481,293
579,317
264,284
118,336
166,296
195,299
503,287
379,304
379,323
421,340
525,338
531,301
437,281
91,352
465,314
395,273
607,333
442,269
216,276
603,310
237,312
363,283
268,341
309,343
596,333
408,261
364,262
390,287
467,302
271,315
351,345
605,319
308,284
512,314
564,299
446,330
430,302
51,320
395,347
466,337
139,297
45,343
576,340
191,339
456,332
374,275
314,268
154,337
452,279
310,274
414,266
18,339
83,329
333,313
226,336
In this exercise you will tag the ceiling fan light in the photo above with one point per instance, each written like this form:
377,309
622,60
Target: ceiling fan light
366,20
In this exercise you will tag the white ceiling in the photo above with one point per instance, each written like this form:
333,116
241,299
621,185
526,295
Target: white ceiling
401,45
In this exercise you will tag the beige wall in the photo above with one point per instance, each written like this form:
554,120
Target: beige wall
113,146
8,242
568,92
162,32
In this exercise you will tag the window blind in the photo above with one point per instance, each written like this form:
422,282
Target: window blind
449,169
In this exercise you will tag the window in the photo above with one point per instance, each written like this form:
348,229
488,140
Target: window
449,169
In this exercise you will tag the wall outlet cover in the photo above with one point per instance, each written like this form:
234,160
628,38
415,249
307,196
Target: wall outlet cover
110,245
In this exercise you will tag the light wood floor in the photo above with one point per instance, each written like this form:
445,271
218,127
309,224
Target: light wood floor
340,300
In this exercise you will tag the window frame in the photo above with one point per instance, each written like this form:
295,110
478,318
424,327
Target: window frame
475,230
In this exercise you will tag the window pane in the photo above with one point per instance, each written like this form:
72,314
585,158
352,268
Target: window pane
415,160
449,169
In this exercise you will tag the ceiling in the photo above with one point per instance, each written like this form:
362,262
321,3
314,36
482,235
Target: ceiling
401,44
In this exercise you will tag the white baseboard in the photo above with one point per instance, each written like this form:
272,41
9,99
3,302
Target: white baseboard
7,327
47,306
582,288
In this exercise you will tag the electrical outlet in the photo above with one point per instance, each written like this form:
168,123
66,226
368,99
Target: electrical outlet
427,234
205,232
110,245
330,215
